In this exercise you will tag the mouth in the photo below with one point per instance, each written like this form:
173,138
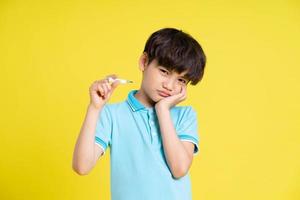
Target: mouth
163,94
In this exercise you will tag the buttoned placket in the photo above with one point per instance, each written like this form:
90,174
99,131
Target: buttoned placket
154,129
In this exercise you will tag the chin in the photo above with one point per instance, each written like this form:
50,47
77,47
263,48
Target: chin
156,98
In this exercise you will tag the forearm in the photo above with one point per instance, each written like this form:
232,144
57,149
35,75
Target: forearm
84,152
175,152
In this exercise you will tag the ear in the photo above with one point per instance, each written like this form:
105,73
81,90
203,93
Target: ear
143,61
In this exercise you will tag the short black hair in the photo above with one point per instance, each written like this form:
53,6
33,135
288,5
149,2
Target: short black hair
177,51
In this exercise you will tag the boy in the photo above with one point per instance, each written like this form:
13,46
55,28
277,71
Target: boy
152,141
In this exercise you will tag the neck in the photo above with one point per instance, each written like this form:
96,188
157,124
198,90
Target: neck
144,99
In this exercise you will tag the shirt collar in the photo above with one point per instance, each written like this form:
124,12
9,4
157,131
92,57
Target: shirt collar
134,103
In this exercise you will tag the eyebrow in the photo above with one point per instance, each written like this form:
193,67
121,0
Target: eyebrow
185,76
180,76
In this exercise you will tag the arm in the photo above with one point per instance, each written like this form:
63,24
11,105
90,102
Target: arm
179,154
86,152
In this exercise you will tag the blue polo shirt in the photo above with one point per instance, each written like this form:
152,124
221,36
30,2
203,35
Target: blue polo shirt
139,169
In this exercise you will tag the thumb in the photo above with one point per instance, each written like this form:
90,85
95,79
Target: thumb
114,85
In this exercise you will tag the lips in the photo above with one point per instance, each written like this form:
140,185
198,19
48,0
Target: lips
163,94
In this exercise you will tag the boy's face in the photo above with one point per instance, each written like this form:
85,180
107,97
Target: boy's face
158,82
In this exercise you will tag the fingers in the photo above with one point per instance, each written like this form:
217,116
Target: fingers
106,87
115,84
182,93
114,76
103,88
180,96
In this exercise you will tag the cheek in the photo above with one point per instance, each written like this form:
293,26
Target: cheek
155,79
177,91
178,88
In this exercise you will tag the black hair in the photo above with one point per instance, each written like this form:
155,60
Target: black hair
177,51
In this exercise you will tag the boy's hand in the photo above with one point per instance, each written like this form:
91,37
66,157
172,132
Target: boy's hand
169,102
101,90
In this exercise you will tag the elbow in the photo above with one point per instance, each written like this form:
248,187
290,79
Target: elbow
179,175
80,170
179,172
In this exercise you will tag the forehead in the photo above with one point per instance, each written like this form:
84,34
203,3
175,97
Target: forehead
184,74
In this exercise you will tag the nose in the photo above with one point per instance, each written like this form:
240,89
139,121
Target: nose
168,84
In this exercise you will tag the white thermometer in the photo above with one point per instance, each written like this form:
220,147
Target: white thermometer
122,81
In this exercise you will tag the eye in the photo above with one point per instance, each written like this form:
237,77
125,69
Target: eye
164,71
183,81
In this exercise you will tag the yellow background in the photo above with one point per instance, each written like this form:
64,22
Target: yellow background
247,103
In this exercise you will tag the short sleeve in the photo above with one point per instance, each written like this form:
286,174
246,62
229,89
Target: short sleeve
187,129
103,128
